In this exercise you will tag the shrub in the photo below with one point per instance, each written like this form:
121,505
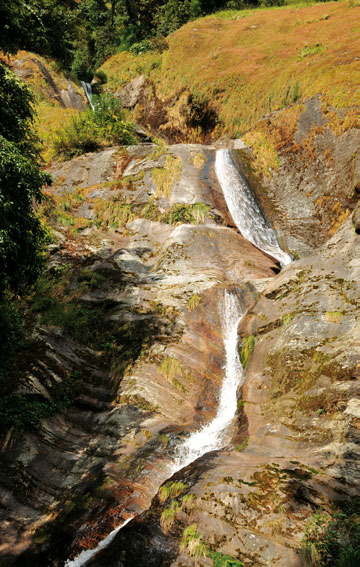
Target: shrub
100,77
10,333
23,411
78,137
333,541
140,46
91,130
81,67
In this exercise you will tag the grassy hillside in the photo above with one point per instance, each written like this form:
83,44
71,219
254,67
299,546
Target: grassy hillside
47,82
245,64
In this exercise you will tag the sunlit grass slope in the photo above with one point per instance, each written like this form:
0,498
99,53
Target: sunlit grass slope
250,63
45,79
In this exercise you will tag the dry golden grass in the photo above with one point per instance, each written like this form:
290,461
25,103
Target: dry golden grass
50,115
165,177
254,62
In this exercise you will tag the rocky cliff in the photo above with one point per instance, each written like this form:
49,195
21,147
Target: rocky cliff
126,324
124,343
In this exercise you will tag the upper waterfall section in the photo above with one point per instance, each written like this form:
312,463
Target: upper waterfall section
244,210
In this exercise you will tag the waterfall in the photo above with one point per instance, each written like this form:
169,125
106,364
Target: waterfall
214,435
84,556
244,210
88,92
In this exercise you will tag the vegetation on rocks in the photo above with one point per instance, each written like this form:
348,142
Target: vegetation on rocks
95,129
333,540
247,346
264,76
171,490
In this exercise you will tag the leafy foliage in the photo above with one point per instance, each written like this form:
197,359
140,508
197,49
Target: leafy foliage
92,130
10,334
43,26
23,411
333,541
21,234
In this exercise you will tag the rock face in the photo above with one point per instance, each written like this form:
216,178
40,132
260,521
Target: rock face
297,441
149,366
308,185
128,347
46,83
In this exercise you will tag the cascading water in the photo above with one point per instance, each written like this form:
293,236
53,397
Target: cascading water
244,210
88,92
84,556
214,435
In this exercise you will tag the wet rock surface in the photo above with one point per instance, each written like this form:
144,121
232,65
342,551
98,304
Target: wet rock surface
309,187
295,448
149,247
158,286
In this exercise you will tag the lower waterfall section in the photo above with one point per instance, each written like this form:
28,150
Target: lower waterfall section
244,210
214,435
84,556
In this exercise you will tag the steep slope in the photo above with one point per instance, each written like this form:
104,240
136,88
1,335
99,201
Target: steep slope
285,80
124,345
124,328
57,97
235,67
297,443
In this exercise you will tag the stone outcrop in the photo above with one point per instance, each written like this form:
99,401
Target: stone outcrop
159,282
45,82
296,447
145,246
308,187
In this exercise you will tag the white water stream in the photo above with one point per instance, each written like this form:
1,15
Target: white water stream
88,92
252,225
244,210
214,435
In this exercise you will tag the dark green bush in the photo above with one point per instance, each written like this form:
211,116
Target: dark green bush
100,77
333,541
10,334
23,412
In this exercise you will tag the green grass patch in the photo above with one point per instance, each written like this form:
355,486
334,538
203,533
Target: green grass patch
194,544
189,214
314,49
287,318
169,516
247,346
242,446
171,368
171,490
193,302
222,560
333,316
